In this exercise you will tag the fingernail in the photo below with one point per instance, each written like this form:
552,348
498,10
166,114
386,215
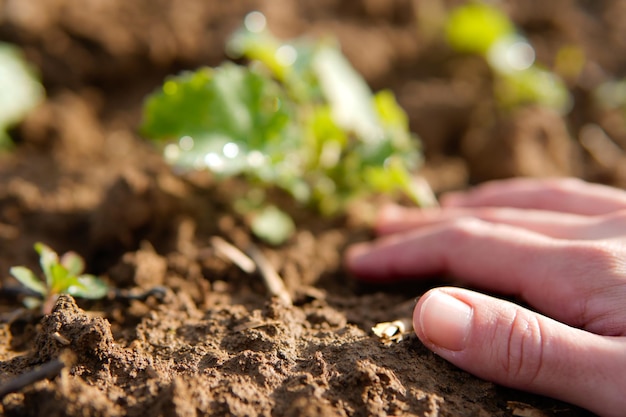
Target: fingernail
444,320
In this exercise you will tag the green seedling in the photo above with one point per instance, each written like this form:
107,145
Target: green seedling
483,29
62,275
297,117
20,90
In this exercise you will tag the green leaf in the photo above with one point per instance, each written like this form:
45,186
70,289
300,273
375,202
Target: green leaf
73,263
230,101
289,62
273,225
28,279
61,279
47,259
20,90
229,120
89,287
349,96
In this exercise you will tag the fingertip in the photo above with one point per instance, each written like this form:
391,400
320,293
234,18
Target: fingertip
512,346
442,321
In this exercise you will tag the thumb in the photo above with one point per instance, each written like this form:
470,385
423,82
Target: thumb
502,342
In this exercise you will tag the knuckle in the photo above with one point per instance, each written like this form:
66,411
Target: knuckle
585,258
522,357
602,257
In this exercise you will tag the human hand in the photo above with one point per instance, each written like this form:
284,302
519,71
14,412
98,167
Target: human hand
559,244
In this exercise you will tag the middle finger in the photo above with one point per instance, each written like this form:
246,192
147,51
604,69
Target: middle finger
394,219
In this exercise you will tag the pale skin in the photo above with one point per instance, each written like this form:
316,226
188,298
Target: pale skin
557,244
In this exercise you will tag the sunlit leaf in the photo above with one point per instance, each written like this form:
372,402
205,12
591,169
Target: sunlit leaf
47,259
89,287
61,279
73,263
28,279
349,96
231,101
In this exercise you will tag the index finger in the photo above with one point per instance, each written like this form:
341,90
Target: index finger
566,195
581,283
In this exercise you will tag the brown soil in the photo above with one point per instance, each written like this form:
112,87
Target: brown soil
211,340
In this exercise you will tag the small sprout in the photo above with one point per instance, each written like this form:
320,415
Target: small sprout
62,275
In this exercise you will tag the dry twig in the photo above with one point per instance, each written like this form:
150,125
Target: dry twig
234,254
252,262
272,280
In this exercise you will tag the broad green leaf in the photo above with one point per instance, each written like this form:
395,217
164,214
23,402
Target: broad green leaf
229,120
28,279
20,90
231,101
89,287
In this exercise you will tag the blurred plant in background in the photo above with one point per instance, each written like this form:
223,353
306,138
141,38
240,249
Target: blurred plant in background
298,117
482,29
20,90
